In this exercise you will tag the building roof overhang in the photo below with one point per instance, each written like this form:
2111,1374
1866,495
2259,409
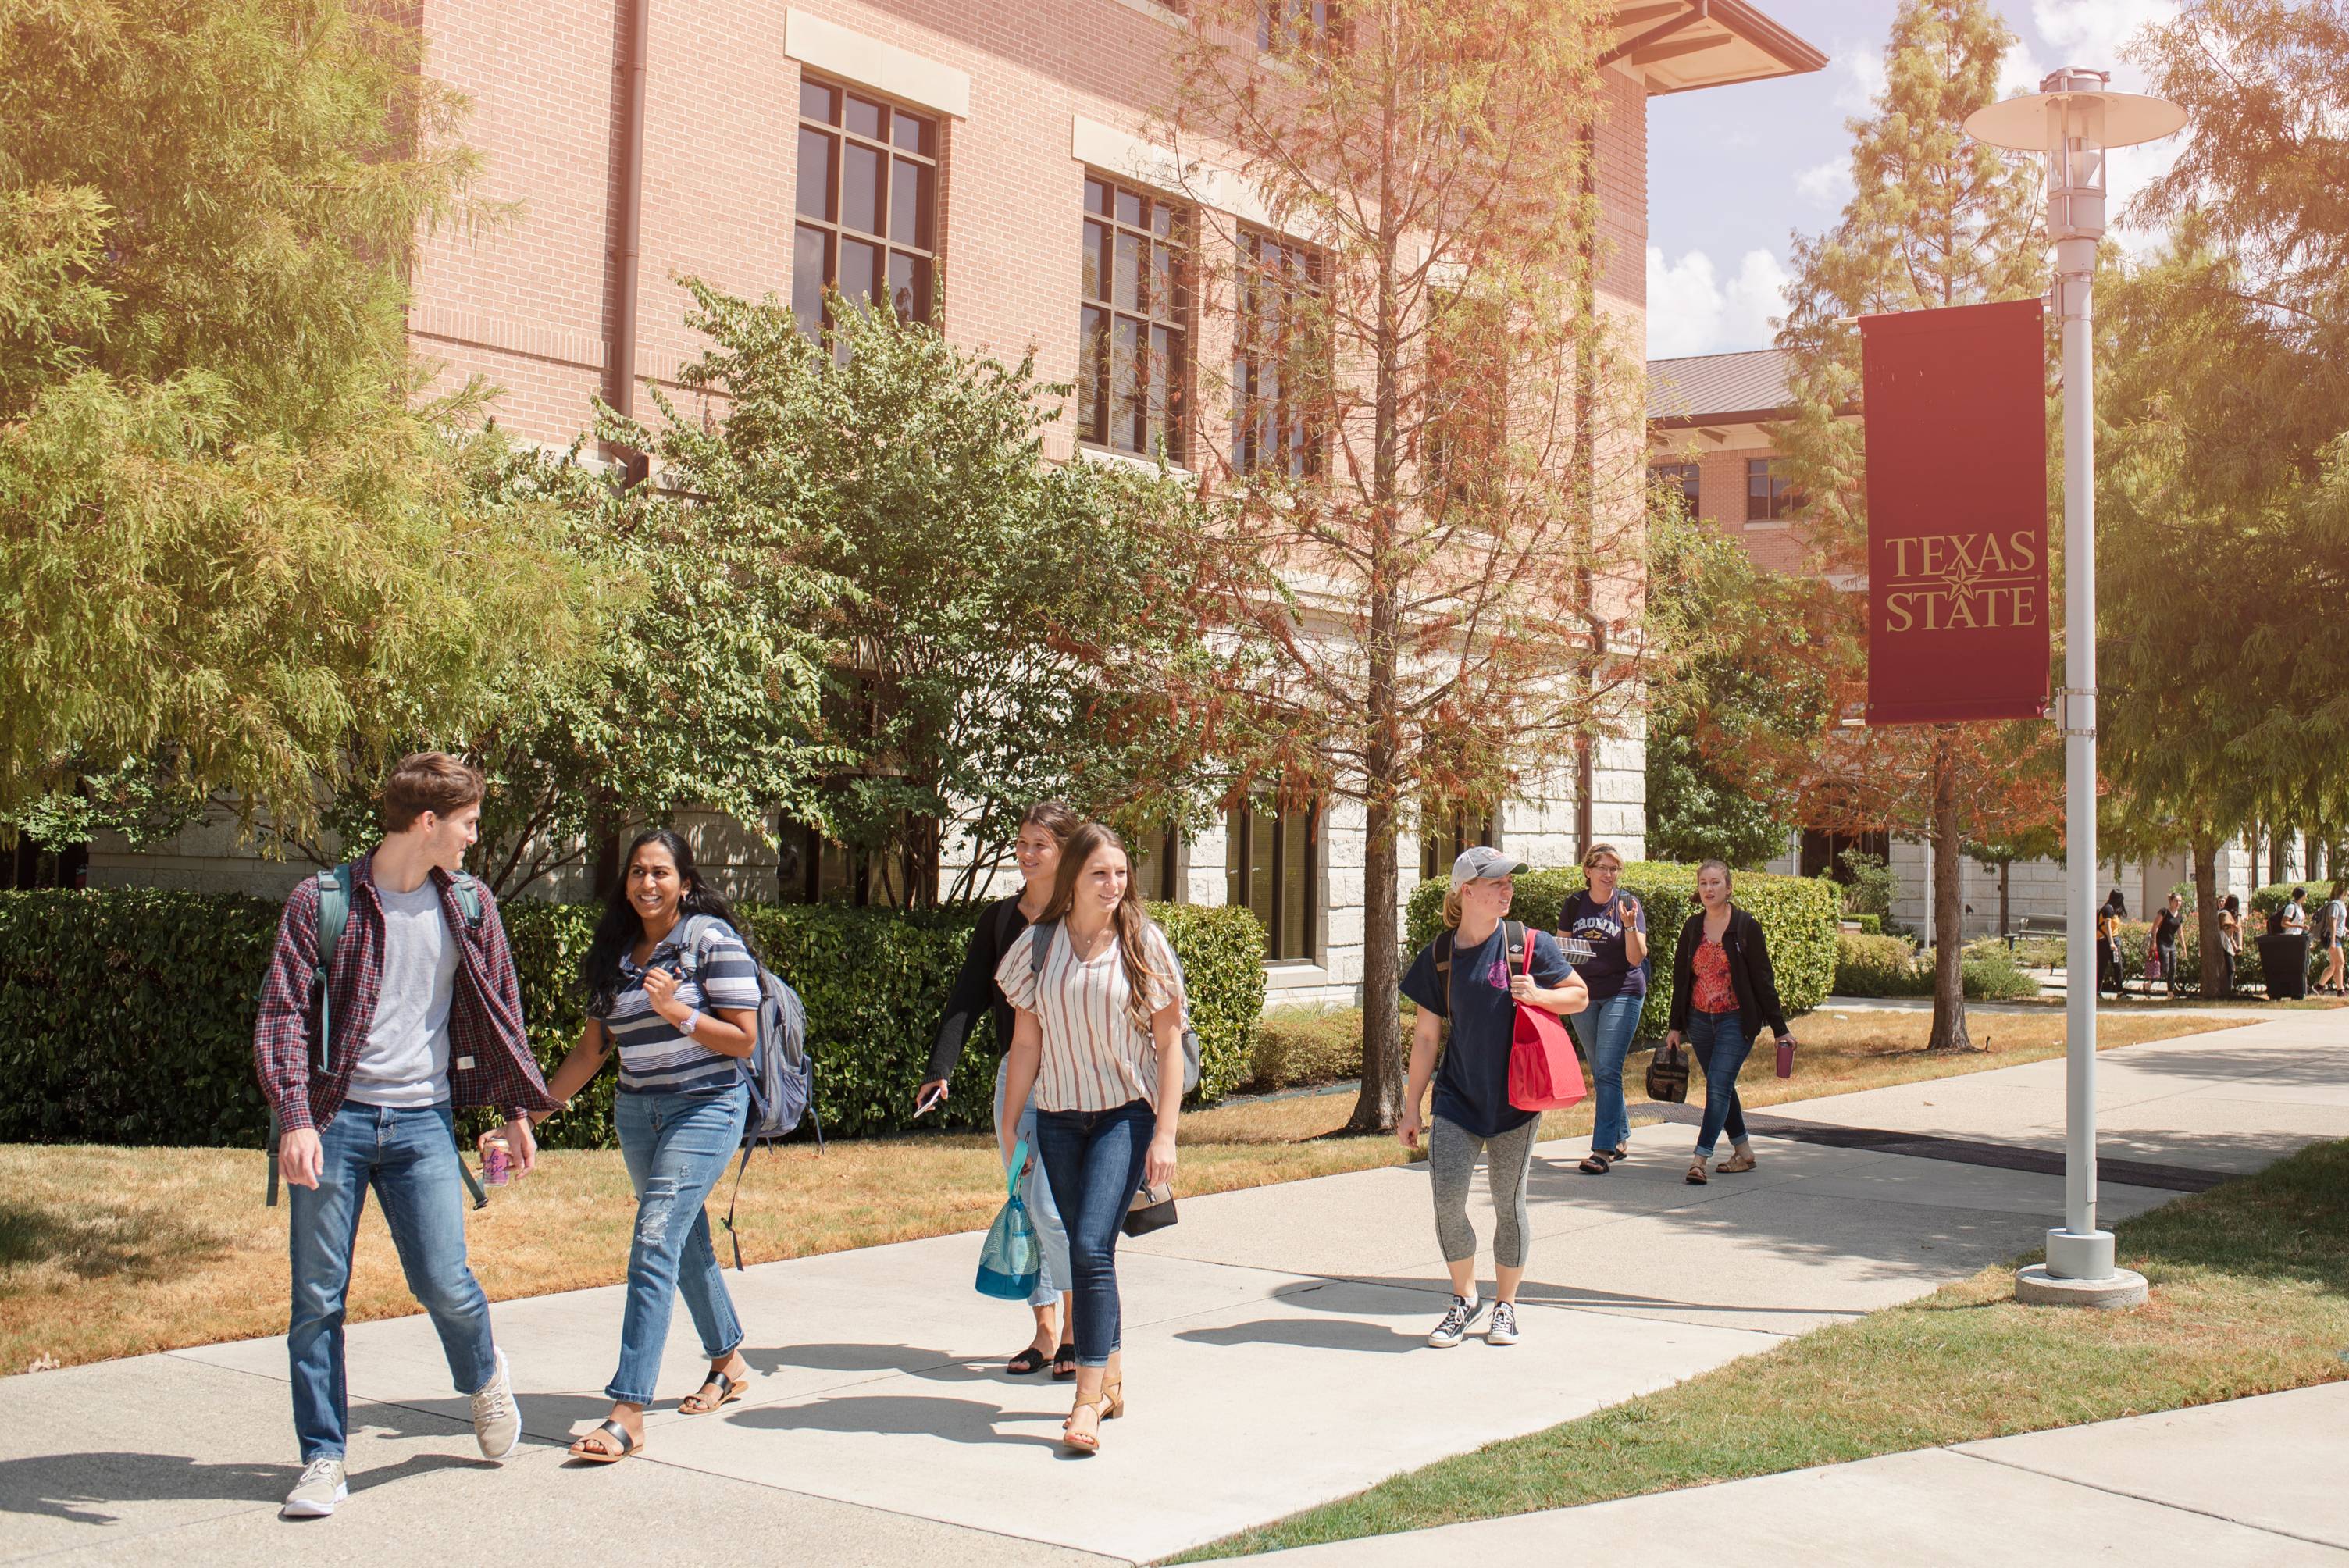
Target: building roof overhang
1680,46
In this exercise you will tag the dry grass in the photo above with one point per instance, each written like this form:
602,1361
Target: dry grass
109,1252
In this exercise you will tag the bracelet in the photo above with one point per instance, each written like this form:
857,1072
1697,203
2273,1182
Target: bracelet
692,1022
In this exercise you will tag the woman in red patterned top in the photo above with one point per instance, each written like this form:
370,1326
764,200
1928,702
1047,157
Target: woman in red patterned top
1723,992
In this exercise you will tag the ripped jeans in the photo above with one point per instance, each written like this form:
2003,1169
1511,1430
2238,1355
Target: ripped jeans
676,1146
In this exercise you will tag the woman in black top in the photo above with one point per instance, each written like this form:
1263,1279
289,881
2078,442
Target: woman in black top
2165,925
1042,831
1723,992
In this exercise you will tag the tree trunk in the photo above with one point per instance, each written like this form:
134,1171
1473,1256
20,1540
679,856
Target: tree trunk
1948,910
2005,882
2206,914
2279,854
2252,838
1385,1061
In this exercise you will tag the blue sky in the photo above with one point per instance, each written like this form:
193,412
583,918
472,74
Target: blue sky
1732,169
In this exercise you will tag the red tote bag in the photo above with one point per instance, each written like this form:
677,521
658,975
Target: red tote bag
1543,1072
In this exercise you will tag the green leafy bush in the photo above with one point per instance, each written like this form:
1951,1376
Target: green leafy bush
1888,966
129,1015
1798,918
1306,1045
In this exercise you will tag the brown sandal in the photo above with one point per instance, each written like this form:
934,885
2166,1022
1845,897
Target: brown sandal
1696,1175
1086,1443
614,1432
1736,1164
697,1403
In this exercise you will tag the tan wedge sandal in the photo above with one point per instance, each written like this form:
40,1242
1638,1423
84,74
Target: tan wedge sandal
1078,1442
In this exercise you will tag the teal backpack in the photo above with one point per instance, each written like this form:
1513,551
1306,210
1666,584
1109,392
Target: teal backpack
334,913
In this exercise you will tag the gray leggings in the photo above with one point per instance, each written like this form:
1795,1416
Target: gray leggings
1452,1152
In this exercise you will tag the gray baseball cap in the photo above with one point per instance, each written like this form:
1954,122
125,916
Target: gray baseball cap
1484,863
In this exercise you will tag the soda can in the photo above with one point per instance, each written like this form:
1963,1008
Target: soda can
497,1160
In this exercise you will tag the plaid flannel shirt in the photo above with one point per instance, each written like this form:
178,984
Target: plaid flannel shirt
489,1060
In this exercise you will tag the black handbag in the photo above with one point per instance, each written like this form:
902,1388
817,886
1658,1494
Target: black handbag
1153,1209
1668,1075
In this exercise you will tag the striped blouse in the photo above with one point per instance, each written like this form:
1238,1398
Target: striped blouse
1094,1058
655,1057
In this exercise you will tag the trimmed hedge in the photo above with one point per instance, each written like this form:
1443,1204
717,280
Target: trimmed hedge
126,1016
1888,966
1799,917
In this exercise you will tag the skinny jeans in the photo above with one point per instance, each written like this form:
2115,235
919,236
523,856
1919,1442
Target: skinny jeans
1605,1029
676,1146
1722,1047
1093,1161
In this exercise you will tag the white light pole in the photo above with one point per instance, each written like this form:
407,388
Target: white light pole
2073,119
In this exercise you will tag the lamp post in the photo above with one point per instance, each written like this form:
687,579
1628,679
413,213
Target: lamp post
2075,120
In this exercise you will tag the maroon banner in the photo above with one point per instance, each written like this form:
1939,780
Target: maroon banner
1955,405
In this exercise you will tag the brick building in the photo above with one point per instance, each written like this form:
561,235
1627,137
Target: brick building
1710,423
992,150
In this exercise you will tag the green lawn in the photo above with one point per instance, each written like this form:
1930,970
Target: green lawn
2250,1294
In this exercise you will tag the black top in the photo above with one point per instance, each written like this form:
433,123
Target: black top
974,991
2166,924
1749,973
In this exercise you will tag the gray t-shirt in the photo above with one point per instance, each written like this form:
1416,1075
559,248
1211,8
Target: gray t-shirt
405,1063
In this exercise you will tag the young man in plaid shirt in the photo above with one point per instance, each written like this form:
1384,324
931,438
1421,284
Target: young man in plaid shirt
427,1017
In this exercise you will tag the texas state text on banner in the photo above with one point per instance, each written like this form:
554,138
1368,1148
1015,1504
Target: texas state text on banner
1956,411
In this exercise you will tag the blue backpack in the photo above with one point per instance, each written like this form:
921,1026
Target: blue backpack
778,1073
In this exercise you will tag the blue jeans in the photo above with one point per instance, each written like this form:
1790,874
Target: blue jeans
1605,1029
676,1146
1051,1237
1721,1046
1093,1160
410,1158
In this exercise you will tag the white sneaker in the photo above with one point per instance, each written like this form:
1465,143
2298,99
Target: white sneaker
1455,1326
497,1421
1503,1329
320,1487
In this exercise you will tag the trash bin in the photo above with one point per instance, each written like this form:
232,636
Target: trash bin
2283,963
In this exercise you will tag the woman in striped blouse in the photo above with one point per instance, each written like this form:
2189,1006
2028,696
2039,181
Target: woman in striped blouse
674,986
1098,1033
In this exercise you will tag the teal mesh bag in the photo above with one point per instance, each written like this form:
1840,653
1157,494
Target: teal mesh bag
1011,1260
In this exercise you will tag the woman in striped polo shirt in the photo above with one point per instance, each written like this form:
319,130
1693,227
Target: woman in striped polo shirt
1098,1035
673,985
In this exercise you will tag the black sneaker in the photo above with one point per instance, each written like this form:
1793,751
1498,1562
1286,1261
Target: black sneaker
1503,1329
1455,1325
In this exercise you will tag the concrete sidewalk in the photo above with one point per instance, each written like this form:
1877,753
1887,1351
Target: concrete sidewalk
1273,1343
2255,1482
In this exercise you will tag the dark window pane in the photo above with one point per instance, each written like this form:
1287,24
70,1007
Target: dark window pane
860,189
914,133
860,270
864,118
1159,387
910,202
818,101
1092,352
1095,284
1162,280
816,174
1130,411
1260,885
1128,291
1097,197
1129,208
1296,939
810,264
909,286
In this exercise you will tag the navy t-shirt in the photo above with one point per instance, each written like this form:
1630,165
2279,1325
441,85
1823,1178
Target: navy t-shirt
1472,1081
1606,971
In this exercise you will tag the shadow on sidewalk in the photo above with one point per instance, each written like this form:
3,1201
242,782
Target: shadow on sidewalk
79,1488
967,1421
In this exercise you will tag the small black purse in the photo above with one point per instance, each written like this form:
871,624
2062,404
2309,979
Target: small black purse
1153,1209
1668,1075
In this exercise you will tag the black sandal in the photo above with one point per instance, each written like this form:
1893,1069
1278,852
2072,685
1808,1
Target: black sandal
1031,1360
729,1390
1598,1163
616,1433
1064,1358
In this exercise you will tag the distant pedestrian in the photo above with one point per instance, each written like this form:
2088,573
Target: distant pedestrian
1470,978
672,985
1097,1037
2164,946
1046,826
2108,926
2295,914
2230,941
2330,933
1723,992
1613,926
426,1009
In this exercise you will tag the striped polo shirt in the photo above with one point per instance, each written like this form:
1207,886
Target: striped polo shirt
716,971
1094,1058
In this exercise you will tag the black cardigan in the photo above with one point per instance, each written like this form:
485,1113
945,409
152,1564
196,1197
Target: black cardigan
1749,973
975,992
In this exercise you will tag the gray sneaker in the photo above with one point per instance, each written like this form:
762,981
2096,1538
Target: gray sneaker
497,1421
1455,1326
1503,1329
320,1487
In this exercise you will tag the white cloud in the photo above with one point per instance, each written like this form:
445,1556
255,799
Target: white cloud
1691,311
1827,184
1859,73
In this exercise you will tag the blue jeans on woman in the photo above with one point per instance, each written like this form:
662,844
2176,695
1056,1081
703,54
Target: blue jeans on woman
1604,1029
410,1158
1093,1160
676,1146
1051,1237
1721,1046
